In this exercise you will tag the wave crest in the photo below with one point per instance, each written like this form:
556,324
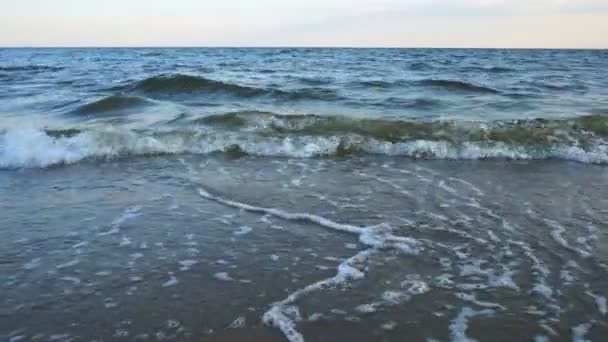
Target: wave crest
458,86
111,104
32,68
21,148
179,83
535,132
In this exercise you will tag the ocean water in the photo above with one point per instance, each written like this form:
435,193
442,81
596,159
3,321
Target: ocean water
303,194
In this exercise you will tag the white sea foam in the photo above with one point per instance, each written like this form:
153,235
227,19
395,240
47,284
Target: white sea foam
73,280
600,301
374,236
34,263
125,241
80,244
68,264
415,286
128,214
395,297
367,308
243,230
60,338
171,282
285,314
390,325
579,332
285,317
31,147
223,276
473,299
472,267
186,264
544,290
458,326
238,323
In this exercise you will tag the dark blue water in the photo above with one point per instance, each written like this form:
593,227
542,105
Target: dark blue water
414,102
303,195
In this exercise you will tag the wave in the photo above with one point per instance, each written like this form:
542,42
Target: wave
233,119
558,86
416,103
112,103
378,84
316,81
457,86
533,132
36,68
491,69
418,66
179,83
579,139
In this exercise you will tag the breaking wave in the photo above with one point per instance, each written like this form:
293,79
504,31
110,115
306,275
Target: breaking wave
580,139
581,130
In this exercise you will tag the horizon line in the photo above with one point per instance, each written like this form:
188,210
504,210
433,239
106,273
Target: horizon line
286,47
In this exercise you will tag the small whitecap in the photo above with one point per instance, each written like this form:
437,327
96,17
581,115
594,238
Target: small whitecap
390,325
395,297
580,331
30,265
223,276
171,282
80,244
125,241
315,317
543,290
68,264
173,324
338,312
136,256
121,333
243,230
600,302
238,323
73,280
187,264
415,287
109,303
367,308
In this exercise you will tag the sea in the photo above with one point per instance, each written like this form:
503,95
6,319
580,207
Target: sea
303,194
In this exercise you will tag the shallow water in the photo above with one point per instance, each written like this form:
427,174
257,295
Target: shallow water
184,247
261,200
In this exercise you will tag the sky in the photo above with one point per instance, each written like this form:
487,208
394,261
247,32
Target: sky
354,23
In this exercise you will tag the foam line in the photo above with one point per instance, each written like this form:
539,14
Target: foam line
284,314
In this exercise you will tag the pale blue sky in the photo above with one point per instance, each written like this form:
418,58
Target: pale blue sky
408,23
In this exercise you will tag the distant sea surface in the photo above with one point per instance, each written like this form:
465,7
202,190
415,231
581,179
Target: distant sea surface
232,194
